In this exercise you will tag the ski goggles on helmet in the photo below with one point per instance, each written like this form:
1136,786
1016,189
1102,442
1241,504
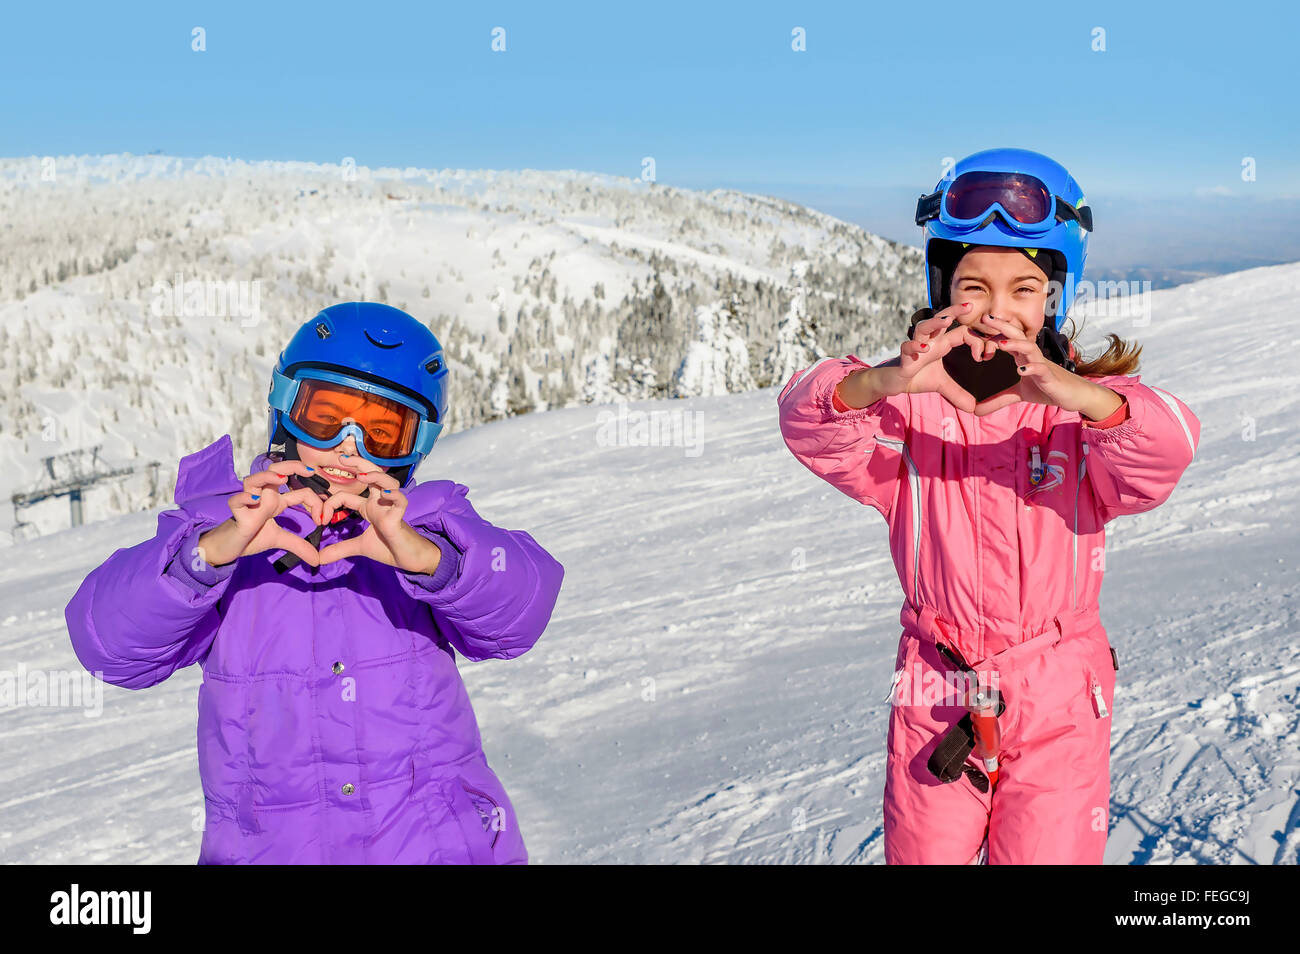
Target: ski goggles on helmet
1024,201
321,408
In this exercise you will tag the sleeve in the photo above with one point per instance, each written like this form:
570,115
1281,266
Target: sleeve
149,609
1118,416
840,446
494,598
190,570
1135,465
448,567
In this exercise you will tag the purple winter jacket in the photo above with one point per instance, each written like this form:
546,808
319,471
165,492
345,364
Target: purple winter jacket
333,725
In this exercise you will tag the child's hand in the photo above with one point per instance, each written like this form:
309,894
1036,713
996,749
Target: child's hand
919,367
251,528
1042,381
389,539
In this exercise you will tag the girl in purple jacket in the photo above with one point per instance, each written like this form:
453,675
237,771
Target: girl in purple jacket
333,725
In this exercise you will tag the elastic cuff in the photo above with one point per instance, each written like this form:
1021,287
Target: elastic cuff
448,567
1129,428
181,567
833,409
1118,416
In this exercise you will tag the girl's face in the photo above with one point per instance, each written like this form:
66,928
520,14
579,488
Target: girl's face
1005,283
344,458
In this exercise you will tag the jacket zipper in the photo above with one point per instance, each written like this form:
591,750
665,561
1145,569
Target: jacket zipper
1098,699
1074,573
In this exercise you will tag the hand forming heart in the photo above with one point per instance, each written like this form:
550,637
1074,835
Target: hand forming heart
389,538
1042,381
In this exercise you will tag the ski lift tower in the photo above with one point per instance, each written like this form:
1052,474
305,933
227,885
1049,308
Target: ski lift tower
68,474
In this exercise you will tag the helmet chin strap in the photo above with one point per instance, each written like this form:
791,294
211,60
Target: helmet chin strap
283,444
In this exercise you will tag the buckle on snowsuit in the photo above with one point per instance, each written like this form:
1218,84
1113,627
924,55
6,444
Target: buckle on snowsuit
948,760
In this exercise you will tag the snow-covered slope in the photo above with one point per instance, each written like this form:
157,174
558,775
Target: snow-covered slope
144,299
713,685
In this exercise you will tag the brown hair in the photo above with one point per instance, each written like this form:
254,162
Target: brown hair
1120,356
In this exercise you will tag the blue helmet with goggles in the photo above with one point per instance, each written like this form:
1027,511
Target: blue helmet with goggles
1012,198
366,370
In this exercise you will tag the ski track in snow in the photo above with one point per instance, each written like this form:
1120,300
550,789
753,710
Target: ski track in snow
713,685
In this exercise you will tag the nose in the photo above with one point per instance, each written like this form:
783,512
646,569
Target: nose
1003,306
349,446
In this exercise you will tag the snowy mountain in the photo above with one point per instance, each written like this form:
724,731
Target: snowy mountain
713,685
144,299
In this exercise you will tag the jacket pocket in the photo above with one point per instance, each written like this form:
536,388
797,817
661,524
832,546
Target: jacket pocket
479,817
901,678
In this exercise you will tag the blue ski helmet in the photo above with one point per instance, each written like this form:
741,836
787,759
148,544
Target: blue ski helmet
372,347
1013,198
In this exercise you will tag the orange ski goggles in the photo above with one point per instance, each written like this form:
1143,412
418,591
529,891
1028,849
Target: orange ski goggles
324,409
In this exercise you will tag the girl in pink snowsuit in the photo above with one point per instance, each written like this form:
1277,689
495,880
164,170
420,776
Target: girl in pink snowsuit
996,515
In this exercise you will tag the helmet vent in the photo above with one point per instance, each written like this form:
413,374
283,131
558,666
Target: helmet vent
434,366
322,330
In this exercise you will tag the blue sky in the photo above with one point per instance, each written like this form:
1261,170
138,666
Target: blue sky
860,120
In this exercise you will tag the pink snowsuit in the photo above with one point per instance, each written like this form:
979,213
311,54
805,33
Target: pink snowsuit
1007,573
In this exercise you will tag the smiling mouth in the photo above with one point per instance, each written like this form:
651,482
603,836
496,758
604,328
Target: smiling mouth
343,475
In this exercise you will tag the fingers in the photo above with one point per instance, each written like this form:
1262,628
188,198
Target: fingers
937,336
933,326
282,539
940,321
997,330
1028,357
936,331
991,324
945,328
930,328
981,348
963,335
358,465
275,476
331,504
913,351
957,396
385,493
380,478
306,498
384,488
245,503
350,547
1017,346
287,467
997,402
966,312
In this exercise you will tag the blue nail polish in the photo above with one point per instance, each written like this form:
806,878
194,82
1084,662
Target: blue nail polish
256,497
310,468
387,491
